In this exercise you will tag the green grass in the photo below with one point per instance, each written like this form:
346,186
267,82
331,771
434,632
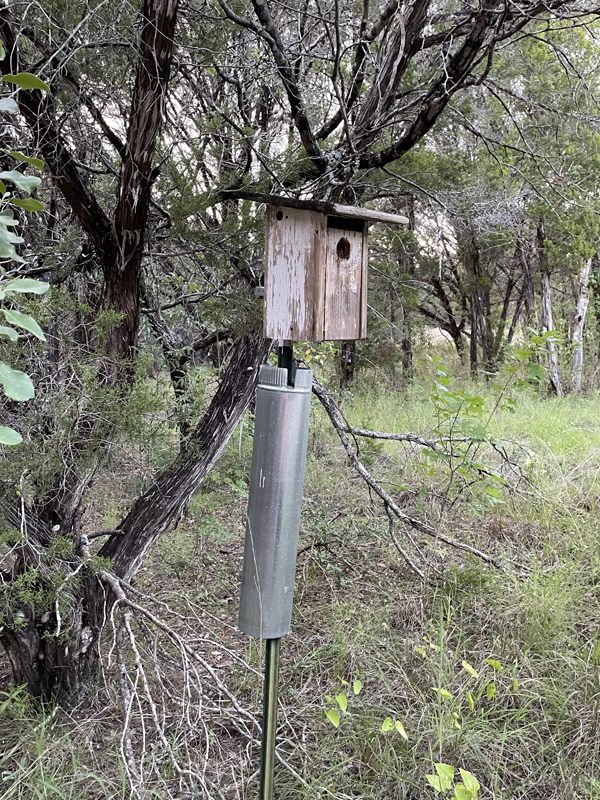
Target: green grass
361,615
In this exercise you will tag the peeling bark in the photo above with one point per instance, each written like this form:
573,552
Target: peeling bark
39,658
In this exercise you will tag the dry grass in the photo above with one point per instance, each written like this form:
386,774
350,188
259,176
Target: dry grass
360,614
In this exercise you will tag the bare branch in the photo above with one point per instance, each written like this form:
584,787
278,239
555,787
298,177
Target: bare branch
417,524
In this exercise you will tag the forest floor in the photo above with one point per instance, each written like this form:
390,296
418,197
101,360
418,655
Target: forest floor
493,670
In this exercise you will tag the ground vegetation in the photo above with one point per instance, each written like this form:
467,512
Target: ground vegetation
147,123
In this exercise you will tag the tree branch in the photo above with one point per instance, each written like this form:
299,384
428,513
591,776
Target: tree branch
288,78
415,523
163,503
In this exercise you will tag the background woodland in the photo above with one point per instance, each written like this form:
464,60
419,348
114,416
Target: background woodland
479,122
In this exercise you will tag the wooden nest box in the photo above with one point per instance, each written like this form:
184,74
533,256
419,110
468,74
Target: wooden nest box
316,270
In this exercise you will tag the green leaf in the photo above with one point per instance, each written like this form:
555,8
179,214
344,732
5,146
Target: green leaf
356,686
342,701
387,725
446,775
2,189
435,782
470,701
29,204
26,81
26,183
24,321
9,105
472,672
471,783
494,664
35,162
26,285
2,51
333,717
442,693
400,728
9,332
535,371
490,690
462,793
9,436
7,238
17,385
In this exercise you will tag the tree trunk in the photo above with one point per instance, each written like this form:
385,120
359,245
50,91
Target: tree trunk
122,273
407,354
473,343
118,242
448,324
408,263
347,359
547,318
583,299
52,658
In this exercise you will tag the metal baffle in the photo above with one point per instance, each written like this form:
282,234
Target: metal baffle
275,500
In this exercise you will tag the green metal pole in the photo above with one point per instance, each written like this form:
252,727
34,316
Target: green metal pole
267,760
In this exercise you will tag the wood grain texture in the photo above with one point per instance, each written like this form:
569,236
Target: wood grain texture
294,274
363,298
343,284
315,287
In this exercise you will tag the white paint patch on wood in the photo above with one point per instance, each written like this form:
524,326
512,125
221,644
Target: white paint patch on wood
294,303
315,283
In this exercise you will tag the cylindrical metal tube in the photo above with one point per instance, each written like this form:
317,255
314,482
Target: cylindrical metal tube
274,503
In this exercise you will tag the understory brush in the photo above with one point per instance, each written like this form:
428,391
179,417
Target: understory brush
391,686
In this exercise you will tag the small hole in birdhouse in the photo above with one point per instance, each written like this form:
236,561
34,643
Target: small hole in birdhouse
343,248
279,215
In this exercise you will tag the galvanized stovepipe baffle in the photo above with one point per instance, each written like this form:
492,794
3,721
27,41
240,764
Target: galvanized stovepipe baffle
273,525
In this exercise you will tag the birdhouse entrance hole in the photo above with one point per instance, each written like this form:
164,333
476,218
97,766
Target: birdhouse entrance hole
343,248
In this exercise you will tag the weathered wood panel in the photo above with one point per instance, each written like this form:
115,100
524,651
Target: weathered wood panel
344,284
364,278
294,274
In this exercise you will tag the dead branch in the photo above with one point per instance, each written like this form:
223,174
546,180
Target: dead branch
153,696
340,426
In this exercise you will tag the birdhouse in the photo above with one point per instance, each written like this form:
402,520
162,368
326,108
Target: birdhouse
316,258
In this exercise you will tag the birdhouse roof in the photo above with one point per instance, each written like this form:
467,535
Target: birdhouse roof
321,206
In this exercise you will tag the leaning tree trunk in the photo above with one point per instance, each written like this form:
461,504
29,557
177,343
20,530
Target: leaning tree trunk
51,653
547,318
583,299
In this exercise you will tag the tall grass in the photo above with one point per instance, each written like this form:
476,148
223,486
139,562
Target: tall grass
522,716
